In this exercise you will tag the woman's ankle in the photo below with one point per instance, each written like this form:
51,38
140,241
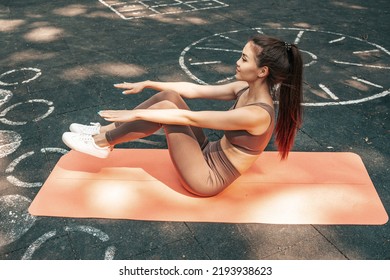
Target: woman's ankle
104,129
101,141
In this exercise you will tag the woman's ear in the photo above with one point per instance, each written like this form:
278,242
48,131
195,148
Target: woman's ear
263,72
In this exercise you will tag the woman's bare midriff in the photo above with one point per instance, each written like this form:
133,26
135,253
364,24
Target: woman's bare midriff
241,161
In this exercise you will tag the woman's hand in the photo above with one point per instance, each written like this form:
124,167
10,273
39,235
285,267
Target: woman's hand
131,88
118,115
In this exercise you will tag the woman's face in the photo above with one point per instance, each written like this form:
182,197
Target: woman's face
247,69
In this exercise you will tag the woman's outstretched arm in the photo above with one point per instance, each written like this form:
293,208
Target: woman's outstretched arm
253,119
187,89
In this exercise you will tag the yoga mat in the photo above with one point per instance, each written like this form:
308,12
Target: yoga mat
142,184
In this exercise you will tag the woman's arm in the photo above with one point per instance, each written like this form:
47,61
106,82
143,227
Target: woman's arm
186,89
253,119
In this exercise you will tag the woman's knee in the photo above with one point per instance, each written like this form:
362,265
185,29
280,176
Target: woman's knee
168,95
164,104
172,96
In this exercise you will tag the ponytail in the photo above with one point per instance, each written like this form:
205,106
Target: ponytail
285,69
290,99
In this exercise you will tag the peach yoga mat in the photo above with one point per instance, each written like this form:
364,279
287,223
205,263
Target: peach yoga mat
142,184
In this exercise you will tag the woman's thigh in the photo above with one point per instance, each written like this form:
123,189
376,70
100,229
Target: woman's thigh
125,132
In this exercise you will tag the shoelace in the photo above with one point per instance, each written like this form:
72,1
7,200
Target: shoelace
92,128
87,139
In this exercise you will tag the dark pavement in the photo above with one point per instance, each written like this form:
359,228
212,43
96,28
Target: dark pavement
60,59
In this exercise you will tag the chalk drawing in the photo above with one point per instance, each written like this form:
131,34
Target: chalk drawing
14,163
5,96
328,91
299,36
366,52
4,120
54,150
9,142
349,102
11,168
35,74
110,251
90,230
342,38
206,62
313,56
354,55
361,64
15,220
131,9
37,244
15,181
219,49
366,82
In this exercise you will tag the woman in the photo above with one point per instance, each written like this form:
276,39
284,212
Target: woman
207,168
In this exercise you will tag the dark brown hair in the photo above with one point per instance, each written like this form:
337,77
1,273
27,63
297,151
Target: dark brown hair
285,68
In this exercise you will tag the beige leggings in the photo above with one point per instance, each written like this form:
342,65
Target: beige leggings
203,167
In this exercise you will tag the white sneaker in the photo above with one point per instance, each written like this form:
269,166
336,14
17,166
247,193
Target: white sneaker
92,129
84,143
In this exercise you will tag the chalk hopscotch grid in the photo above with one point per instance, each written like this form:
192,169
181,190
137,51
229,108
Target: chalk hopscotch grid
132,9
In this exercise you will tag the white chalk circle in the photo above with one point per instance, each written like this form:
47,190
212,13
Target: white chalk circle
5,96
35,73
11,168
9,142
37,244
14,218
3,114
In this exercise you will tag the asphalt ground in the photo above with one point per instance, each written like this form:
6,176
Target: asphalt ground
60,59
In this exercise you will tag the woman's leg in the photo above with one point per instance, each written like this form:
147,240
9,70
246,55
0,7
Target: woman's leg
187,156
125,132
185,145
204,172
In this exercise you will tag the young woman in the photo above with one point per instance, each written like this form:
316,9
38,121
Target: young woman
266,67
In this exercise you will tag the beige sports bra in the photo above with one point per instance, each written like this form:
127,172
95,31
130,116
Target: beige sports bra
249,143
